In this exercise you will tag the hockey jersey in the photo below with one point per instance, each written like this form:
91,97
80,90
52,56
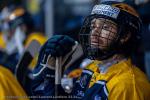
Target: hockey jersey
112,81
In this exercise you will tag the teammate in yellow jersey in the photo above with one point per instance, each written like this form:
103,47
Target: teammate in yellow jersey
10,89
109,37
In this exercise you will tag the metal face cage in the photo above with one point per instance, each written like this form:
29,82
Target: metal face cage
97,36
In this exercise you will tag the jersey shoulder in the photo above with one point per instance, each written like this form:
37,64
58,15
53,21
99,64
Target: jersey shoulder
129,83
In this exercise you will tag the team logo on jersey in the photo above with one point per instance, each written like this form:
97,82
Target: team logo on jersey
83,81
85,78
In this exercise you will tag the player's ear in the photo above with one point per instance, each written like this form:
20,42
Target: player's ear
125,37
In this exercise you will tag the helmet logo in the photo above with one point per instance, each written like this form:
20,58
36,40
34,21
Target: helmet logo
106,10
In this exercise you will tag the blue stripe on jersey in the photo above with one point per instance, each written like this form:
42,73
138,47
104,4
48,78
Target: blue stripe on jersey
97,92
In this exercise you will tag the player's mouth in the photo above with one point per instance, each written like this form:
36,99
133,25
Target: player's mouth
96,41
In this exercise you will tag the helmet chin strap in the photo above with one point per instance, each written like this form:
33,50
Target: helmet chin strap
94,55
97,54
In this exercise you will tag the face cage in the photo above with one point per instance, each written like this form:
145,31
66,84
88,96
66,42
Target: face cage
91,52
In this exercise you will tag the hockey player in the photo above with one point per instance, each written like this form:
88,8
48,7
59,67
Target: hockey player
109,37
14,29
18,34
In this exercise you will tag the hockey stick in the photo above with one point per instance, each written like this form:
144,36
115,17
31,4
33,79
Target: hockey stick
73,55
22,67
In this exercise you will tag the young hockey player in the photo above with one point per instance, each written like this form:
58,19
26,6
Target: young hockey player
109,37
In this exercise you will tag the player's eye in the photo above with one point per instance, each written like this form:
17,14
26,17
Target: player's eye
106,27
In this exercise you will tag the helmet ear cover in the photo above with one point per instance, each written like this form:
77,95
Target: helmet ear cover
129,27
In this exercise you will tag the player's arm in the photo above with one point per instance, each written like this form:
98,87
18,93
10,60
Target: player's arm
44,73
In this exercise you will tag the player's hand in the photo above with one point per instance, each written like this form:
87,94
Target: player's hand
58,45
43,74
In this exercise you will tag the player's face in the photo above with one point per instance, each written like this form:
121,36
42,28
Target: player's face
103,32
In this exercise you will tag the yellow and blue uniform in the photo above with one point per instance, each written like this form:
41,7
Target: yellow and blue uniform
10,89
121,81
112,80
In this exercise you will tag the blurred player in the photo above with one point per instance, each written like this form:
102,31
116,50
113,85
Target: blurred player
17,35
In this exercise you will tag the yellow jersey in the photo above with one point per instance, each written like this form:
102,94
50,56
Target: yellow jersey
10,89
2,41
120,81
